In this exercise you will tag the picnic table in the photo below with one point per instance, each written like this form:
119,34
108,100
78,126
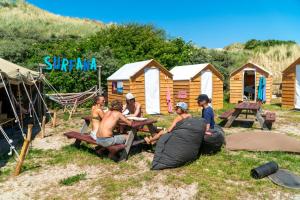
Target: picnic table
249,108
115,149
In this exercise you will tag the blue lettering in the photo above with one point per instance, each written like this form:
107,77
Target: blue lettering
47,62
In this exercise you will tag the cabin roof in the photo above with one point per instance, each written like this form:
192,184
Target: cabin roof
188,72
294,63
253,64
127,71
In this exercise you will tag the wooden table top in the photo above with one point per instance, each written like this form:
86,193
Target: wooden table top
247,106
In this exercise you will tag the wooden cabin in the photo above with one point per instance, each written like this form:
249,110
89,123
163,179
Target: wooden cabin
148,81
192,80
244,83
291,86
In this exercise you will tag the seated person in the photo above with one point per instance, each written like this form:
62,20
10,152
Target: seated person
97,114
181,110
132,108
109,121
207,112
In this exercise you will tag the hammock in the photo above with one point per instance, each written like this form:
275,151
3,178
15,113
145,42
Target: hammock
70,101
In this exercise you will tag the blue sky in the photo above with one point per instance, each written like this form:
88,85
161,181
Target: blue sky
209,23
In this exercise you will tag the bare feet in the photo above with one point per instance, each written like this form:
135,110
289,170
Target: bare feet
147,139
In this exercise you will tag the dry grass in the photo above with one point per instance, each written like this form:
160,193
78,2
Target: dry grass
26,17
276,58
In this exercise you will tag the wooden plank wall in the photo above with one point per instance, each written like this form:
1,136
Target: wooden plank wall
288,87
236,87
111,96
166,83
137,87
181,86
195,90
218,94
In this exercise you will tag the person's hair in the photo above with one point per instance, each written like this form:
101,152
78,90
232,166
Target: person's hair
210,100
97,98
116,105
130,100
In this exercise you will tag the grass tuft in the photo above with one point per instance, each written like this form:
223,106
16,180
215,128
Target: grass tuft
73,179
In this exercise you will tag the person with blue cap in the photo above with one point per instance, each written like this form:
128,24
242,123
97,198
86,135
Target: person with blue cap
182,112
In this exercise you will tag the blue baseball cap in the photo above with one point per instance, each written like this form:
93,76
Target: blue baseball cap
182,105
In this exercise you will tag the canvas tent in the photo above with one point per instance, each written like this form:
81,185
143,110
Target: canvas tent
244,83
148,81
191,80
291,85
14,94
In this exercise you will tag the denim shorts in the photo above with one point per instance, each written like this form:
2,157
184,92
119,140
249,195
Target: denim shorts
109,141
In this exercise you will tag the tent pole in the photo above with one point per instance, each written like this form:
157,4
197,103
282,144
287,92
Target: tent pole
41,109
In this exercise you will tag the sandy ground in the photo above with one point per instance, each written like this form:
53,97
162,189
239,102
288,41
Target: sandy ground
44,183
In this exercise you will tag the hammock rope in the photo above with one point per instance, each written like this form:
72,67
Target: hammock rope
39,92
13,107
9,141
30,101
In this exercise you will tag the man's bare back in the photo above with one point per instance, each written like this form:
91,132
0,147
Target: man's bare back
109,122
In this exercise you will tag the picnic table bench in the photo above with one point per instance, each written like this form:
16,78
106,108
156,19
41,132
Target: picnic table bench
265,120
116,152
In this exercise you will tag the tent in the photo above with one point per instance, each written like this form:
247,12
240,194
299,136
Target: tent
148,81
291,85
192,80
244,83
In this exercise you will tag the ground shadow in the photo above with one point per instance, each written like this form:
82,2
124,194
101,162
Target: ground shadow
14,133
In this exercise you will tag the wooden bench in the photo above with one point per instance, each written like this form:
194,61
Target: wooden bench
225,115
270,118
116,152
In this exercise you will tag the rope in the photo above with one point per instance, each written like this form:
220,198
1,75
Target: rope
28,96
9,141
12,105
40,95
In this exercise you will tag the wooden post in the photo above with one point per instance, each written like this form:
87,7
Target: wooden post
24,150
43,126
99,80
54,118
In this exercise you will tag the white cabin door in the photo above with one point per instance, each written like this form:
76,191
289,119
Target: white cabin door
297,87
152,96
206,83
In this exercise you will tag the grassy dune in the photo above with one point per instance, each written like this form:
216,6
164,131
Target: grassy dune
26,18
276,58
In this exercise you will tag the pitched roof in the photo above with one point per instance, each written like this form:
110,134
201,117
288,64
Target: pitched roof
291,65
128,71
9,69
255,65
187,72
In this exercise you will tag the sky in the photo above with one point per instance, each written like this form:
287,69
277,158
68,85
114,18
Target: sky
206,23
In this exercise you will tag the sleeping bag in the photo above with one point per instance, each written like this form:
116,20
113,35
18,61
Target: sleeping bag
180,146
213,143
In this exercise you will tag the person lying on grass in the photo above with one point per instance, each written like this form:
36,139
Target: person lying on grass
207,112
97,114
110,120
132,108
181,110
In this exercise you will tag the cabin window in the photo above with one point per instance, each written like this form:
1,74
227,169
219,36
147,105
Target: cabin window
117,87
249,85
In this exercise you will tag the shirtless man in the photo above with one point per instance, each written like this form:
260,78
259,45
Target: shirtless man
110,120
132,108
97,114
